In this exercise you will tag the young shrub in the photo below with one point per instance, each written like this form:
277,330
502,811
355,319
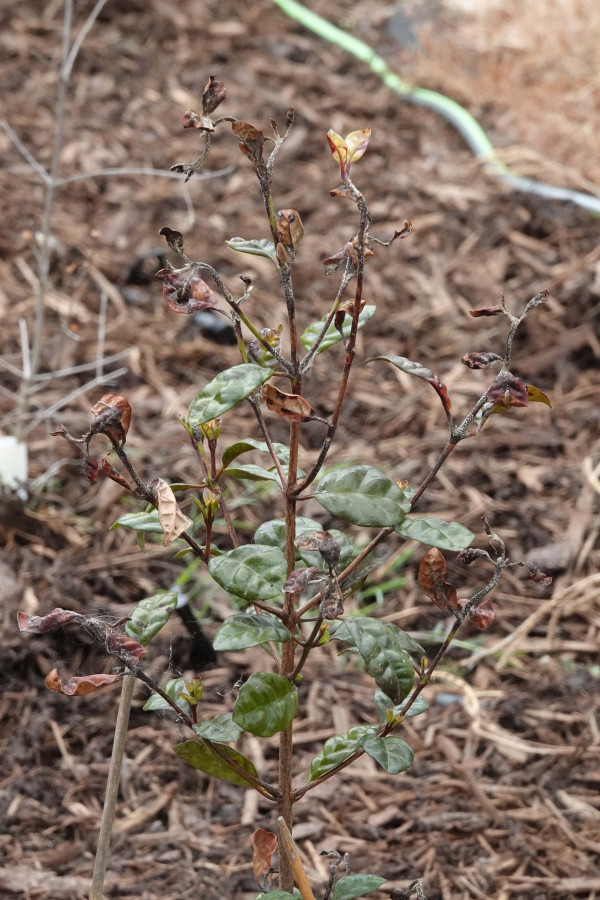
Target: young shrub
292,580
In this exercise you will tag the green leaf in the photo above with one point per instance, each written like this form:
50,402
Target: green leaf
173,689
437,532
363,495
250,572
149,616
272,534
225,391
254,246
201,755
535,395
351,886
266,704
332,335
140,521
383,704
222,729
252,473
405,640
234,450
336,749
249,630
385,659
392,753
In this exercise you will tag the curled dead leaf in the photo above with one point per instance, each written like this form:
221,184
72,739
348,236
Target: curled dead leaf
292,407
77,686
172,521
112,415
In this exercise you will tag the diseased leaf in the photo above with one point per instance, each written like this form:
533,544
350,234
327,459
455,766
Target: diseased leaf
437,532
250,572
486,311
351,886
540,298
384,657
477,360
255,247
272,534
266,704
149,616
250,138
172,520
363,495
186,293
225,391
213,96
76,687
200,755
249,630
222,729
414,368
332,335
291,407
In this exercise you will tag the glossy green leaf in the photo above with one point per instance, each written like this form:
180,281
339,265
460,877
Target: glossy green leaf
200,755
332,335
225,391
255,247
222,729
266,704
385,659
383,705
436,532
272,534
173,689
351,886
252,473
149,616
249,630
234,450
251,572
336,749
140,521
363,495
392,753
404,640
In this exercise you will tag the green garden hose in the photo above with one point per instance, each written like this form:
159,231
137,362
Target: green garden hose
453,112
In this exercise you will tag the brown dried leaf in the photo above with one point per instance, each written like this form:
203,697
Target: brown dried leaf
41,624
187,294
483,360
291,407
172,520
289,227
213,96
486,311
74,687
112,417
264,844
173,238
112,473
191,119
299,579
432,572
251,140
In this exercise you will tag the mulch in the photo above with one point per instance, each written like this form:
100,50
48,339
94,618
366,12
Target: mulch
502,800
